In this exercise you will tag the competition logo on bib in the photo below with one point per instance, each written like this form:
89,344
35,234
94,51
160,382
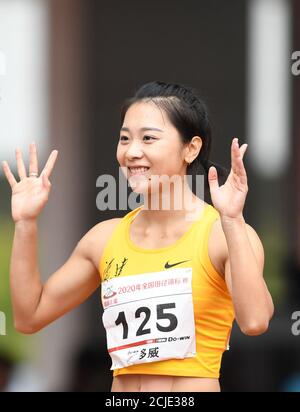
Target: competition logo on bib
108,291
149,317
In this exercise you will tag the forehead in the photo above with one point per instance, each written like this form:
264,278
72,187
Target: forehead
146,114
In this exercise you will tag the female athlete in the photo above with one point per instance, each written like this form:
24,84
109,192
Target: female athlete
172,279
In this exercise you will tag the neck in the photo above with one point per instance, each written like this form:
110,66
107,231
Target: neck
163,208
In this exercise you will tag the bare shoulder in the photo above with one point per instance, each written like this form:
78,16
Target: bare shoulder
93,242
218,250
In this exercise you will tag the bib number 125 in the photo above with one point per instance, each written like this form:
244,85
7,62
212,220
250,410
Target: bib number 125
160,315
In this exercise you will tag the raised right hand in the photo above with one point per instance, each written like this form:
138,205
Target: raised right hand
30,194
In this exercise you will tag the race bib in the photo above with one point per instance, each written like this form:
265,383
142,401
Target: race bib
149,317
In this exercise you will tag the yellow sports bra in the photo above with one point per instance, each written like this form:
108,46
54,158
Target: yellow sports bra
210,300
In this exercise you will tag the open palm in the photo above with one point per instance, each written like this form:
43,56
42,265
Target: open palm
229,199
31,193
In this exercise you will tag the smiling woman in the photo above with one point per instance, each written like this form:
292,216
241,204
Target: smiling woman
172,280
176,116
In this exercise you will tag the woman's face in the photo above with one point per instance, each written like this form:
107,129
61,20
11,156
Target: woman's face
148,140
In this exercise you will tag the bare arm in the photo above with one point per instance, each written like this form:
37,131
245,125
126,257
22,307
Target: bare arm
241,250
35,305
244,263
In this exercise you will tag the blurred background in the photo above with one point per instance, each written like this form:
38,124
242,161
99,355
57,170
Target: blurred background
65,68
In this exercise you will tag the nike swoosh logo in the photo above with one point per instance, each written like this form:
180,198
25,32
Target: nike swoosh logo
167,266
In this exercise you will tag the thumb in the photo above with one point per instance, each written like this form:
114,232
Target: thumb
213,178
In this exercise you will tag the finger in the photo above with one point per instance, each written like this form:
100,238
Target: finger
50,163
9,176
235,156
239,168
46,181
20,164
242,175
213,178
237,161
33,160
241,171
243,149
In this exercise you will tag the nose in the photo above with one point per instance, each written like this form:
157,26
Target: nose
134,151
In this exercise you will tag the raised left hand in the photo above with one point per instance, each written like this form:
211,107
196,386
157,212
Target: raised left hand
229,199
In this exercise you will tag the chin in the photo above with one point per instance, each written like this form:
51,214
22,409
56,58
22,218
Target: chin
139,184
139,189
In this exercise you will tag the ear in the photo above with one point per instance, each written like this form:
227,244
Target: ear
193,148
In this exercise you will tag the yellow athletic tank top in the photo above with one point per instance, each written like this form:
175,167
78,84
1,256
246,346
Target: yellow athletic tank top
213,308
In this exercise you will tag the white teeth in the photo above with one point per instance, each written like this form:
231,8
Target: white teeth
138,169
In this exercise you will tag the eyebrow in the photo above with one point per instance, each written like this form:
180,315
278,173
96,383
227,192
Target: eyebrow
126,129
